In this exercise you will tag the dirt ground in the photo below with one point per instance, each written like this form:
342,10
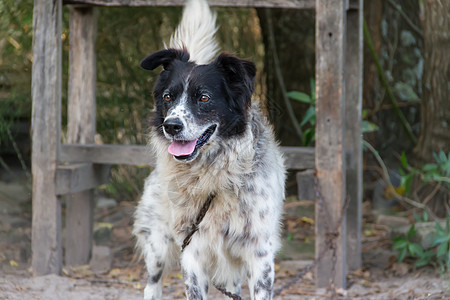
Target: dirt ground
124,276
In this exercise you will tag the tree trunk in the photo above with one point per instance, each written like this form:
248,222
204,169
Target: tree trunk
434,133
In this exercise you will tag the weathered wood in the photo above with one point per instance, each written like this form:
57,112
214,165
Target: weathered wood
298,4
45,134
81,130
330,160
353,135
75,178
297,158
107,154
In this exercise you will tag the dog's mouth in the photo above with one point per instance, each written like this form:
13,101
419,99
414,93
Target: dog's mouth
187,150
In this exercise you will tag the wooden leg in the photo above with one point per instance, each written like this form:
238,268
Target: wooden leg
45,135
353,134
79,222
330,156
81,127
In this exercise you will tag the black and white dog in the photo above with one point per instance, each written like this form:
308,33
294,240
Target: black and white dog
211,144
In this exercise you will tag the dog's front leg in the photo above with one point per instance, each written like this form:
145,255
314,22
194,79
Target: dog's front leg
195,279
260,273
155,254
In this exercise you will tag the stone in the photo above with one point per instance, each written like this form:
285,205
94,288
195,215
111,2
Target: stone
103,202
306,185
102,233
101,260
392,221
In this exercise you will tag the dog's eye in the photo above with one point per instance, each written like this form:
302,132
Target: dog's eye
204,98
167,97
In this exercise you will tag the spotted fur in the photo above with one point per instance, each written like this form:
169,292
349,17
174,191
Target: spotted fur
240,162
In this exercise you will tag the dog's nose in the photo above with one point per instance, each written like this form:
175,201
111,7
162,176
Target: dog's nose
173,126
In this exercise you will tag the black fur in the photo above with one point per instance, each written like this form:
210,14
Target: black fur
229,81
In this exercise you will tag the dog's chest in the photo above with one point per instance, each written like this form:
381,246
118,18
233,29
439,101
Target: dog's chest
185,208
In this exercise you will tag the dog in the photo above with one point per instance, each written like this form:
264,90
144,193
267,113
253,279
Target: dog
216,157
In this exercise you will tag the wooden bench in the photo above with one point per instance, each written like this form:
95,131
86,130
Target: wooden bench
73,169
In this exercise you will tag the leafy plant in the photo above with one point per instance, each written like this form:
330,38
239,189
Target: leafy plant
439,251
309,134
442,243
405,246
438,172
309,118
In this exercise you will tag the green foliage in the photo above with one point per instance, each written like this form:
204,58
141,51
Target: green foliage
368,126
309,118
15,64
442,243
405,246
439,252
438,172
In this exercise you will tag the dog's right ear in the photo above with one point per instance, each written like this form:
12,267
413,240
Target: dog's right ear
164,58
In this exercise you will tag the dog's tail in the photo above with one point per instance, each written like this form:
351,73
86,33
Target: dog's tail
196,32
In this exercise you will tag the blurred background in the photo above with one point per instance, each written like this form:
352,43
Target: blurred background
406,60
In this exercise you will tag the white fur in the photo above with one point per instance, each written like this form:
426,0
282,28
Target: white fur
196,32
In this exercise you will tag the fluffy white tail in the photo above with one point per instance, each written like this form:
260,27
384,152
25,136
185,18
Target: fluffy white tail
196,32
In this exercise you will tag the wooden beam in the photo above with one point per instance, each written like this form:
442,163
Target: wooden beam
295,4
353,134
80,130
45,134
75,178
296,157
330,159
107,154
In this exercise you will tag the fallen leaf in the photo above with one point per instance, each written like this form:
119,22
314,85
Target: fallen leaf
307,220
370,232
13,263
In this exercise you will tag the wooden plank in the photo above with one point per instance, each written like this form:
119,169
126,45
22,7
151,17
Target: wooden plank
297,158
353,134
107,154
81,130
330,160
80,177
45,133
295,4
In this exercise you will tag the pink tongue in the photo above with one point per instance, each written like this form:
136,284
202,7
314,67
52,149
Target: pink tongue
180,148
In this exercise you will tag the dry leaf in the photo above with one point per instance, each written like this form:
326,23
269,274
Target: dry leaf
13,263
307,220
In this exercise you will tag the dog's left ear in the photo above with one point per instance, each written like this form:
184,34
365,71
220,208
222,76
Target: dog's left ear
239,73
165,58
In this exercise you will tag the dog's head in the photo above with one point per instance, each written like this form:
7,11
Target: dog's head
196,104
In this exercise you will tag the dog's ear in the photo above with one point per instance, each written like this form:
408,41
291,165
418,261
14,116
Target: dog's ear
165,58
239,73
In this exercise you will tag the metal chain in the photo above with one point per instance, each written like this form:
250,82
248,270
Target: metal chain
331,238
227,293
